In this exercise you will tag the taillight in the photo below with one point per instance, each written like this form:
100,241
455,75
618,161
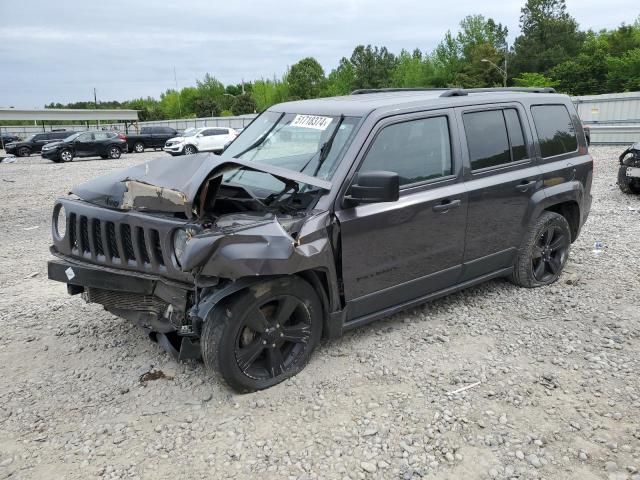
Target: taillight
122,137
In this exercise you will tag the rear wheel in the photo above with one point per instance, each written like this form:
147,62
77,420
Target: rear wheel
114,153
66,155
138,147
264,334
190,150
544,252
627,184
24,152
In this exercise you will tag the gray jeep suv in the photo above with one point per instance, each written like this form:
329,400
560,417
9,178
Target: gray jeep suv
327,214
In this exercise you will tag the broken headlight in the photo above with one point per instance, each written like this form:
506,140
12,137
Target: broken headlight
59,221
180,239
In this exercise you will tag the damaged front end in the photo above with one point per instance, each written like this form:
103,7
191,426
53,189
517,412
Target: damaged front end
162,243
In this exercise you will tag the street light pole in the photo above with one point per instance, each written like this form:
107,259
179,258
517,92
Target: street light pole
503,71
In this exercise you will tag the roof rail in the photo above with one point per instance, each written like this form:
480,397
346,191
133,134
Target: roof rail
362,91
459,92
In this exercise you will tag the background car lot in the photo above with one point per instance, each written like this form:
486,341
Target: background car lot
559,393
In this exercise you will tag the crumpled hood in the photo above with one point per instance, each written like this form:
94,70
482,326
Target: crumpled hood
167,185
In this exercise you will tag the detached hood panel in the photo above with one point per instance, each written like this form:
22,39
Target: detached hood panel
171,185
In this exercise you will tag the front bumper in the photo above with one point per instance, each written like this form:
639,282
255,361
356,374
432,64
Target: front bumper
157,306
50,154
177,148
11,150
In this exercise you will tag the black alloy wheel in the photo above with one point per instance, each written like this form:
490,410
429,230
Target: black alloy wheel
273,337
24,152
544,251
263,335
550,254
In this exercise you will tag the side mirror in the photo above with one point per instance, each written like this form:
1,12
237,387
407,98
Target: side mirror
199,135
374,187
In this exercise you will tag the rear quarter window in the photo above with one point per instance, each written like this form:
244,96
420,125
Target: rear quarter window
556,132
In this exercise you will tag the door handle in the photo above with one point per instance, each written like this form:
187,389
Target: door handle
525,185
447,205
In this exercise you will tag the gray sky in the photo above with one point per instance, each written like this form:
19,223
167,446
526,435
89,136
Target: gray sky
60,50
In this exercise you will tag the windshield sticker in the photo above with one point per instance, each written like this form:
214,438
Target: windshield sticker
311,121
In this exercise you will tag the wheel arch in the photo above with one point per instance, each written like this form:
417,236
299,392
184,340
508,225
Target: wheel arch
566,199
570,210
317,278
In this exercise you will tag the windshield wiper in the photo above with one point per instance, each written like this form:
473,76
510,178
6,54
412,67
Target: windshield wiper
261,138
326,146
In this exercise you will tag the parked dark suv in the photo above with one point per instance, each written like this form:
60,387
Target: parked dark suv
325,215
34,143
86,144
150,137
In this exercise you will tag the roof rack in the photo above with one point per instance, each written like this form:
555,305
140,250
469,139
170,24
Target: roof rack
362,91
459,92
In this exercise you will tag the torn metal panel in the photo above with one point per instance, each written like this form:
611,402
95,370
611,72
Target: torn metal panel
185,177
142,196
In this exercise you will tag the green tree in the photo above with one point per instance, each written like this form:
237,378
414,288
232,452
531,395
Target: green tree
373,67
412,70
586,73
269,92
306,78
532,79
549,36
206,107
244,104
341,80
624,72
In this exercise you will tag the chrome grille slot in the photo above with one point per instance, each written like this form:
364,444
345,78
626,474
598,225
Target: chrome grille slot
97,237
84,235
111,238
127,244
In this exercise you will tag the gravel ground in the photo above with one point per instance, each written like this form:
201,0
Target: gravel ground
553,373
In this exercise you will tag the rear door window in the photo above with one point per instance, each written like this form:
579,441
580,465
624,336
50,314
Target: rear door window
556,132
516,135
487,139
494,138
417,150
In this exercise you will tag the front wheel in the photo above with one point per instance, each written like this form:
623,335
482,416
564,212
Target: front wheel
190,150
114,153
24,152
544,252
264,334
66,155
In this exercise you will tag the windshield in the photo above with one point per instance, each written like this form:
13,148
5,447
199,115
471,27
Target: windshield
190,132
310,144
30,137
71,137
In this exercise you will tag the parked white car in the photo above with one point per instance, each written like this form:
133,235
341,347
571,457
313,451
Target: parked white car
203,139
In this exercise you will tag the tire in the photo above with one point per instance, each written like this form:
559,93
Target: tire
190,150
245,339
114,153
627,185
23,152
138,147
544,252
66,156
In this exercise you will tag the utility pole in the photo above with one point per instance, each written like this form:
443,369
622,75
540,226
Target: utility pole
175,78
95,104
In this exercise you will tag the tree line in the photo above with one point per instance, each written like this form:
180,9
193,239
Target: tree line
550,50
